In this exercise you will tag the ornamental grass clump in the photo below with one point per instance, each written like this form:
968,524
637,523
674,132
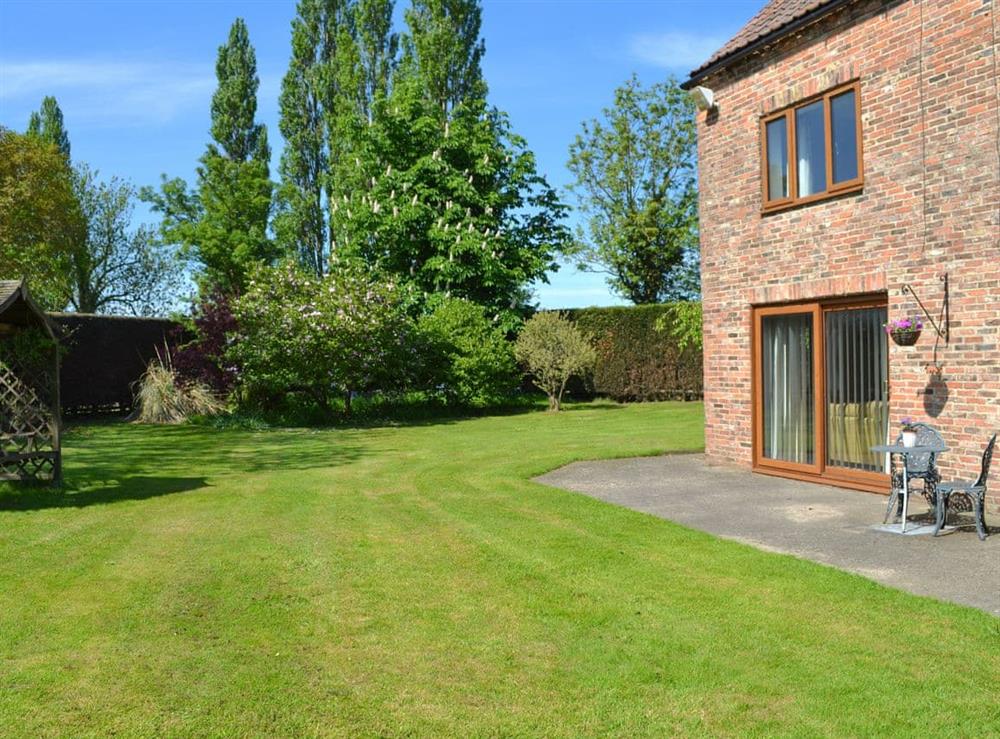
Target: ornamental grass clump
553,350
163,398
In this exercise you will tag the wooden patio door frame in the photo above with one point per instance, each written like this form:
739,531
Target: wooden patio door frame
819,470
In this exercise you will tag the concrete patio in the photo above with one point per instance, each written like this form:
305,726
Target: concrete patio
824,524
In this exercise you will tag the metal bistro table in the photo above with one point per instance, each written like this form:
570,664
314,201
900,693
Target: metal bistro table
906,452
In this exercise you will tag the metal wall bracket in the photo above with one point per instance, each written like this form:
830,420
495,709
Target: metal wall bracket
942,329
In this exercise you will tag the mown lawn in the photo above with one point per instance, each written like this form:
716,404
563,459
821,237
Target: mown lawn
412,581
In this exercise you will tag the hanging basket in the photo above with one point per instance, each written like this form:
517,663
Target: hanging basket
905,338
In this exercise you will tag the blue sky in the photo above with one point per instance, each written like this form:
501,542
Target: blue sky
134,77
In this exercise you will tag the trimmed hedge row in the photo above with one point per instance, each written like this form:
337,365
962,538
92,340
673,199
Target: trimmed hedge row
635,360
105,355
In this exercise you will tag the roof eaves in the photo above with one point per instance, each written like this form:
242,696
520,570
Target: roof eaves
10,291
13,290
736,55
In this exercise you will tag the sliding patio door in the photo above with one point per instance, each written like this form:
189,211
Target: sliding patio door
821,390
857,397
788,409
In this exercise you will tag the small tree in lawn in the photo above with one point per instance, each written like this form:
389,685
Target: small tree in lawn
553,350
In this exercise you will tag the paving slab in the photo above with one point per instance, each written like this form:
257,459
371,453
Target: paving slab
825,524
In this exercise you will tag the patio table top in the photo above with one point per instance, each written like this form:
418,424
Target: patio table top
900,449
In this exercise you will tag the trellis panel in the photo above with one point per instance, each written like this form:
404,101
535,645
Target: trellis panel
29,394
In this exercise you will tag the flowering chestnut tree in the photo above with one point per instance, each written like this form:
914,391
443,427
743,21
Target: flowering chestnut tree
344,333
451,203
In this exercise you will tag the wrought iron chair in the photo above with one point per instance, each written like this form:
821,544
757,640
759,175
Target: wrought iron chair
918,467
975,490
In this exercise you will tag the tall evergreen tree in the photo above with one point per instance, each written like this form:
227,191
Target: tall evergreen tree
47,123
223,223
446,51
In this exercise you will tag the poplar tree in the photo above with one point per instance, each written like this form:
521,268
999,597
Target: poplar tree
418,177
377,51
365,61
47,124
343,56
300,223
234,104
223,223
446,50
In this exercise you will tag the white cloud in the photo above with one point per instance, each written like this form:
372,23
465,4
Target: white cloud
674,49
99,91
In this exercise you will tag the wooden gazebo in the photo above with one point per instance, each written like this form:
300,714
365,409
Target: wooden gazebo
29,389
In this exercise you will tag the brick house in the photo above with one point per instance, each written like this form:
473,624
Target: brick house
851,167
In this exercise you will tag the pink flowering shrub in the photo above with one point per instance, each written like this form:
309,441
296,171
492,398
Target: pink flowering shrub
346,333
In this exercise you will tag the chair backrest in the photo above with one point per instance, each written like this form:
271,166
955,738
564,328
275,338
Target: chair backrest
987,458
926,436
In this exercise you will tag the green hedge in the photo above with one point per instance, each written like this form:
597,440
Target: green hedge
636,360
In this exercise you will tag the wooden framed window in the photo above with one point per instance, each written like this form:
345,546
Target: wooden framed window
812,150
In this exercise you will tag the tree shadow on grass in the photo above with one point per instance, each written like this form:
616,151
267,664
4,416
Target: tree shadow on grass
592,407
139,463
113,453
446,415
37,498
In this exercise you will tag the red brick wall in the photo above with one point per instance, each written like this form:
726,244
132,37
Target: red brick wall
931,204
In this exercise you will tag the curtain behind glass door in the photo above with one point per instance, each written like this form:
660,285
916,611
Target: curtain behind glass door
857,402
787,388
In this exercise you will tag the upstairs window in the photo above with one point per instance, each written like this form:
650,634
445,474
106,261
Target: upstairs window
812,150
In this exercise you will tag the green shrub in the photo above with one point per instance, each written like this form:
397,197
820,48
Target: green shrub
467,357
552,349
644,352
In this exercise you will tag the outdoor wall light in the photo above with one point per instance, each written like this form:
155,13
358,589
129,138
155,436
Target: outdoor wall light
704,99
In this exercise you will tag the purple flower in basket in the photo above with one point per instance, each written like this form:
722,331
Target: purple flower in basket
908,424
904,325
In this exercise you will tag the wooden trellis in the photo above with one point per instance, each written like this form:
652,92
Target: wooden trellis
29,390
